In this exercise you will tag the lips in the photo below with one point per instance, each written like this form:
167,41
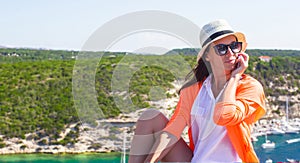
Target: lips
232,61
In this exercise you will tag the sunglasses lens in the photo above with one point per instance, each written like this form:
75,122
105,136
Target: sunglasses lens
221,49
236,47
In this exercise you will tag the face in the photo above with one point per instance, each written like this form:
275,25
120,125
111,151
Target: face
227,61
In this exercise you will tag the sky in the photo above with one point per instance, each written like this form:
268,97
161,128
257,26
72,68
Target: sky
68,24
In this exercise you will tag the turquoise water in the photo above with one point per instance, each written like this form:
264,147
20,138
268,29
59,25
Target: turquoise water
281,153
282,150
65,158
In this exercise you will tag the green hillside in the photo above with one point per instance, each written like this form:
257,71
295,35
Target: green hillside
36,85
37,94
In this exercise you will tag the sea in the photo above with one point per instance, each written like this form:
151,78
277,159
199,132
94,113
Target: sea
283,152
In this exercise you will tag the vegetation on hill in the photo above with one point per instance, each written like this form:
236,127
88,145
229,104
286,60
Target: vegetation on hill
36,85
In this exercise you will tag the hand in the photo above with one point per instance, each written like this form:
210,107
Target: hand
242,62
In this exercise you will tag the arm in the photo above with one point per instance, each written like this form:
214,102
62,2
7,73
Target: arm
229,110
241,100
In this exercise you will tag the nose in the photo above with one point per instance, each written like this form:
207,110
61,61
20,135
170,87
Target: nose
229,52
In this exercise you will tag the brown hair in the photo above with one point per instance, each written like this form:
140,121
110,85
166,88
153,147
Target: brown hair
199,73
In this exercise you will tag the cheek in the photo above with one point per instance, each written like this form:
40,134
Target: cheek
217,63
220,63
218,60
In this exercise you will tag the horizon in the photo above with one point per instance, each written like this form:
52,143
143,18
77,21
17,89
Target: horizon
113,51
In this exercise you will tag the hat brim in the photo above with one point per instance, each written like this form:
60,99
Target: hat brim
240,37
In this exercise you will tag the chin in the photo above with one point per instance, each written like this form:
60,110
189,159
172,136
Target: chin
230,68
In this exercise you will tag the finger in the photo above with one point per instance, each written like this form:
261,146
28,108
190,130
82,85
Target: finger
245,56
240,58
242,61
245,60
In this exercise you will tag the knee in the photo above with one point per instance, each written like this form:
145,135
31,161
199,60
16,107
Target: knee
153,119
151,114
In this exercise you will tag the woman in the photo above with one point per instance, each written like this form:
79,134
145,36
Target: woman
218,105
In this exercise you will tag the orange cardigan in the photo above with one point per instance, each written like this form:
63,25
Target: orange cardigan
249,92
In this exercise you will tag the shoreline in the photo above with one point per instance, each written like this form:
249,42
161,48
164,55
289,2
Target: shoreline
104,153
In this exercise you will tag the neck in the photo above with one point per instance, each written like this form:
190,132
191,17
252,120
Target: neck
219,80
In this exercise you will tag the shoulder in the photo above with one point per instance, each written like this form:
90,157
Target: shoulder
190,92
251,90
249,79
248,82
191,88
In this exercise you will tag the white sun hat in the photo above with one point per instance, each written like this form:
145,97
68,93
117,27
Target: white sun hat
216,30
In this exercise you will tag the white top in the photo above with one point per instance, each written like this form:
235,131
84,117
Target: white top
212,143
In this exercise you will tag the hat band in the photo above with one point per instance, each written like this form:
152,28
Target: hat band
215,35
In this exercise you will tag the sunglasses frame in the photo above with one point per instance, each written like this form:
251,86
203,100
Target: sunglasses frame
231,45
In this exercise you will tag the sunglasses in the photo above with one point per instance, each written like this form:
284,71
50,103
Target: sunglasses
222,49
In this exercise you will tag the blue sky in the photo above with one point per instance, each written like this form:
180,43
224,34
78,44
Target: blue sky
67,24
